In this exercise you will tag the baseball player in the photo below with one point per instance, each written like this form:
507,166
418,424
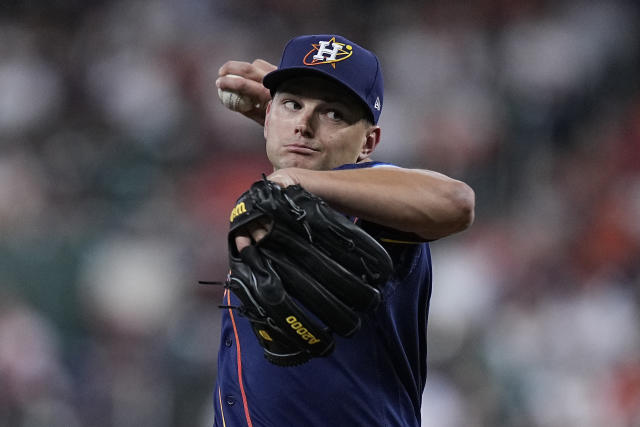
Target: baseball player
320,108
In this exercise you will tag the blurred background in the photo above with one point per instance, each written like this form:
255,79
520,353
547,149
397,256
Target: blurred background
119,165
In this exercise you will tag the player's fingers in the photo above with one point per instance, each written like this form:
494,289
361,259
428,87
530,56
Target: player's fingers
242,241
243,86
240,68
264,66
258,234
252,233
243,69
258,229
250,84
284,177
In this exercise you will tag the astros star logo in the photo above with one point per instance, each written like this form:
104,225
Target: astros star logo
327,52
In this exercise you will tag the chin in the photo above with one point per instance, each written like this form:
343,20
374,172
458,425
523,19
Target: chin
302,163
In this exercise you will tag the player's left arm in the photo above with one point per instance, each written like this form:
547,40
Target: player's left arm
426,203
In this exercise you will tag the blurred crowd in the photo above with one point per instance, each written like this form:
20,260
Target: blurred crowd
119,165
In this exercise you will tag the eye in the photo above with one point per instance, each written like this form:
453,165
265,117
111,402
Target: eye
291,105
335,115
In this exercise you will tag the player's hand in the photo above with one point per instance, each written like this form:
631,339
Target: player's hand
286,177
252,233
256,230
250,84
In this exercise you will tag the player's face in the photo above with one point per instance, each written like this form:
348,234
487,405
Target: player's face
312,124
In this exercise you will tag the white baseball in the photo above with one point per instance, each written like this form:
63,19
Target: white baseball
234,101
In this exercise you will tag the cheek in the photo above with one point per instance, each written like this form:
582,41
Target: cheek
342,148
271,150
277,127
351,143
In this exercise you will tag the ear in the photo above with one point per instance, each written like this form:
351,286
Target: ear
372,139
266,119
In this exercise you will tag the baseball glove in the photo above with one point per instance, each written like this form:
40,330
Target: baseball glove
311,276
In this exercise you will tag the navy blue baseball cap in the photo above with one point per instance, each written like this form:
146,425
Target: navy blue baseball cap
335,57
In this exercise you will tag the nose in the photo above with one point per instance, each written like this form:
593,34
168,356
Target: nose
305,124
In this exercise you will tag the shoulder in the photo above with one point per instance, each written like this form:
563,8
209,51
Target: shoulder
365,165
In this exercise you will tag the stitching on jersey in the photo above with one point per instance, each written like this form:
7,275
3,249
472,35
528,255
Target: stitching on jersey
224,423
239,358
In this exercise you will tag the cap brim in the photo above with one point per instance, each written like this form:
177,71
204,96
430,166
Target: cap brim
273,79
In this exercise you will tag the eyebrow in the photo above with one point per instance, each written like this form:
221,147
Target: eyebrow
319,94
347,101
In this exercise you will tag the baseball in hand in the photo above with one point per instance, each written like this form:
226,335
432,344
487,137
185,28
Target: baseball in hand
235,101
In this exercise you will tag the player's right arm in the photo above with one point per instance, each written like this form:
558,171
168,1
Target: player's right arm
425,203
249,85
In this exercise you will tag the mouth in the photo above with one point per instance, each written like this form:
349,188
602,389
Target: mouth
300,149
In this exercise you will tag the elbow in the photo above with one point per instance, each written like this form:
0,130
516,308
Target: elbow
463,204
456,212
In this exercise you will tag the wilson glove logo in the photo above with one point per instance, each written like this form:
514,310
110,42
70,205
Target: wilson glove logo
301,330
238,210
328,52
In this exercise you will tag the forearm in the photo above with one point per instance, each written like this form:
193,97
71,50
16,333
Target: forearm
426,203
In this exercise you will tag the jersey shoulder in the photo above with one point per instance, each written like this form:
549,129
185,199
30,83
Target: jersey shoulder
365,165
